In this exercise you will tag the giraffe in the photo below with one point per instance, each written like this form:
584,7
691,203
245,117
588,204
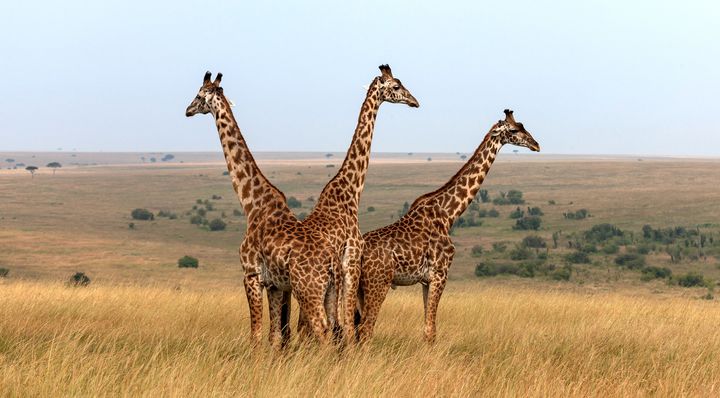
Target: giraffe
336,211
417,248
277,253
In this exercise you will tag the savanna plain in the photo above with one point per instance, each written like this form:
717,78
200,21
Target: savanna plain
574,276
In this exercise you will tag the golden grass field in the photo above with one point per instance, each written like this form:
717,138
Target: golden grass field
494,341
144,327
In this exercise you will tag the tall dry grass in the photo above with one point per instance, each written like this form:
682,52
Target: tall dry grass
505,341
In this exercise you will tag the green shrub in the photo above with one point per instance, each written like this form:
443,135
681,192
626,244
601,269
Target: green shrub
551,202
485,269
561,274
142,214
209,207
493,213
4,272
476,251
217,225
188,262
610,248
196,220
577,257
216,197
534,241
528,223
631,260
168,214
520,253
484,196
589,248
499,247
294,203
517,213
577,215
652,272
237,212
201,212
690,279
79,279
131,225
482,213
602,232
535,211
370,209
302,216
515,197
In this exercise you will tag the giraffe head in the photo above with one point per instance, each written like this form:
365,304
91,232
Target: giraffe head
512,132
392,90
208,93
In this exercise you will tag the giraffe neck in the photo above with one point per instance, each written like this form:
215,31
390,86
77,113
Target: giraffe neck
348,183
455,196
255,192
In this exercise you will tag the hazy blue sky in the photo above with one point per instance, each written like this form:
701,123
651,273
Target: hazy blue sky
619,77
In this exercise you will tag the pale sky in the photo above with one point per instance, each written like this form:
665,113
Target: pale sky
585,77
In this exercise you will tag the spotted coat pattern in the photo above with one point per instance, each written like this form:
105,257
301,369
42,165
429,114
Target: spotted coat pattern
417,248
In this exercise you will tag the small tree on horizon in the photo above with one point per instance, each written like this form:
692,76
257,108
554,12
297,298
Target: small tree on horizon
54,166
32,170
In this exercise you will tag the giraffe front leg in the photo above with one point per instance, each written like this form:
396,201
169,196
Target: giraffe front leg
350,281
253,291
434,292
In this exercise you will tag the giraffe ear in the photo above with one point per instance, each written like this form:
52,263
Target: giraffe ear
206,79
386,72
218,78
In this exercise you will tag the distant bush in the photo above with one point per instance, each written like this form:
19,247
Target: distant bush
4,272
512,197
528,223
653,272
499,247
79,279
226,173
196,220
577,215
520,253
237,212
534,241
602,232
610,248
466,222
562,274
209,207
668,236
167,214
131,225
690,279
188,262
199,201
217,225
294,203
142,214
493,213
551,202
517,213
201,212
588,248
302,216
577,257
484,195
630,260
370,209
535,211
216,197
527,269
476,251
